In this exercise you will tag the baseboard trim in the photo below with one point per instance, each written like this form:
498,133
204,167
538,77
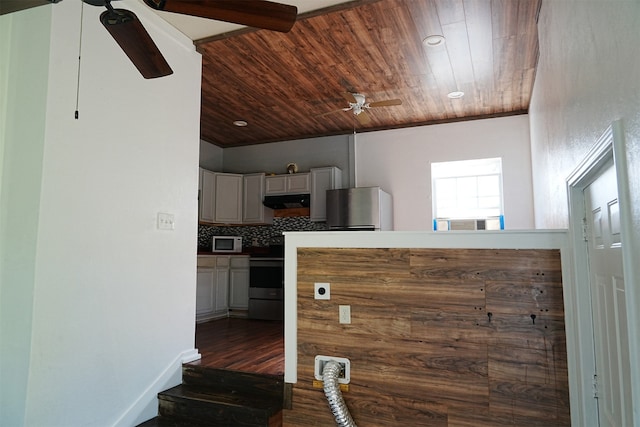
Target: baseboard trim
191,355
169,377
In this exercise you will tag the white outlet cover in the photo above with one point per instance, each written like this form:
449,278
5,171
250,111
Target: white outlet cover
322,291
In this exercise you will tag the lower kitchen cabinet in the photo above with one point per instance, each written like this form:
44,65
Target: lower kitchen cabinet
222,283
239,283
211,293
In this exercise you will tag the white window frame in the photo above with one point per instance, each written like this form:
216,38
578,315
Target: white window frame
473,218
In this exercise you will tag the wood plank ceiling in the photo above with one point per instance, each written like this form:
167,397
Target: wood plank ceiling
281,84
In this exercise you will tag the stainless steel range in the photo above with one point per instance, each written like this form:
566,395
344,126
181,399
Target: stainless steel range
266,288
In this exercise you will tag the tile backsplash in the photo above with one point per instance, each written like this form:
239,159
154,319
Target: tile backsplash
259,235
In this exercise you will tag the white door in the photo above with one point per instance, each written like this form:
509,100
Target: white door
608,299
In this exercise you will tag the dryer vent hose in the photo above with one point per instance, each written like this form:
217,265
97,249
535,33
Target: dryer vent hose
330,375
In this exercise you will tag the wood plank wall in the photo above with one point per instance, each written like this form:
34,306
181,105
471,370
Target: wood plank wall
439,337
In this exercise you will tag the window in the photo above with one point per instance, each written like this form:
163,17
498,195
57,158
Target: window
467,195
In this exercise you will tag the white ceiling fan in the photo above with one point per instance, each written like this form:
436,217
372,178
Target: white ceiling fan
359,105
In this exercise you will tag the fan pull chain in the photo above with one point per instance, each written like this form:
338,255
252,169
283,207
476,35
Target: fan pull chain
77,113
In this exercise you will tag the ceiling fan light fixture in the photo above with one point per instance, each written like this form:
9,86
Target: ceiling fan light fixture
240,123
456,94
433,40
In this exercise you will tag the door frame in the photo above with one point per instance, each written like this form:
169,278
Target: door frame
609,147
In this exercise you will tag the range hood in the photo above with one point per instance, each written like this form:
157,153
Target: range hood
287,201
360,208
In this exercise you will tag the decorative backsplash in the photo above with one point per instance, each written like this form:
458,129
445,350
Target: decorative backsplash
258,235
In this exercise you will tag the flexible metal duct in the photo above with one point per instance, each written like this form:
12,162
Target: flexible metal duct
330,374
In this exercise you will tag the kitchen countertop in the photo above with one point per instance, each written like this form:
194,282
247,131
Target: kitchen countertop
209,253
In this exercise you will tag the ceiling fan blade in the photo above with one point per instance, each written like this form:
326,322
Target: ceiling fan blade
349,97
363,118
127,30
9,6
253,13
387,103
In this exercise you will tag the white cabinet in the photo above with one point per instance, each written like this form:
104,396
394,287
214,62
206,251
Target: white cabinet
221,305
276,184
228,194
253,211
222,283
206,195
297,183
323,179
229,198
212,287
205,296
239,283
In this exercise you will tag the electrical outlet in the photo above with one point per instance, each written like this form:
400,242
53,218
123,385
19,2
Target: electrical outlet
345,313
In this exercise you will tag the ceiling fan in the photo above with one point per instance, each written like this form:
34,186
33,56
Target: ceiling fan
127,30
359,106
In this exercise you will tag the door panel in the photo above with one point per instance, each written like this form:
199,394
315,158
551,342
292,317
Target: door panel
608,299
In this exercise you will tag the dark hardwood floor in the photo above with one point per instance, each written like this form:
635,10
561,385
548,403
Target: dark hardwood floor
238,344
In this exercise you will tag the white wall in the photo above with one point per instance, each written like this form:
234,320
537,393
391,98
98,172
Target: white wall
306,153
23,94
587,77
211,156
400,160
113,297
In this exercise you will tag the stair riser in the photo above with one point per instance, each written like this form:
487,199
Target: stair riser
229,381
216,415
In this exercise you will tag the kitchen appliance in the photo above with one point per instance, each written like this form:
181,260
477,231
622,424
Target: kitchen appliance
226,244
266,288
287,201
360,208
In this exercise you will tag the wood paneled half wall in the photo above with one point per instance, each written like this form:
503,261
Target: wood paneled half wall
438,337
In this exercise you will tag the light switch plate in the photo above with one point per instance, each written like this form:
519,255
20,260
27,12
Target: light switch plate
166,221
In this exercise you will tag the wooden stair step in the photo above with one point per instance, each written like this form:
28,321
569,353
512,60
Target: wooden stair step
201,405
233,381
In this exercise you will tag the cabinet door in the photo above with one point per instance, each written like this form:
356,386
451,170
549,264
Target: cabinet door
221,304
298,183
239,287
323,179
207,195
228,205
239,283
275,184
205,295
253,211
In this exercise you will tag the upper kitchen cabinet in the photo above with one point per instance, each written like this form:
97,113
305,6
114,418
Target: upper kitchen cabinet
253,211
322,179
206,195
229,198
228,195
297,183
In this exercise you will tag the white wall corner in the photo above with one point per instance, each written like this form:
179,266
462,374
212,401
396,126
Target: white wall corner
145,406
